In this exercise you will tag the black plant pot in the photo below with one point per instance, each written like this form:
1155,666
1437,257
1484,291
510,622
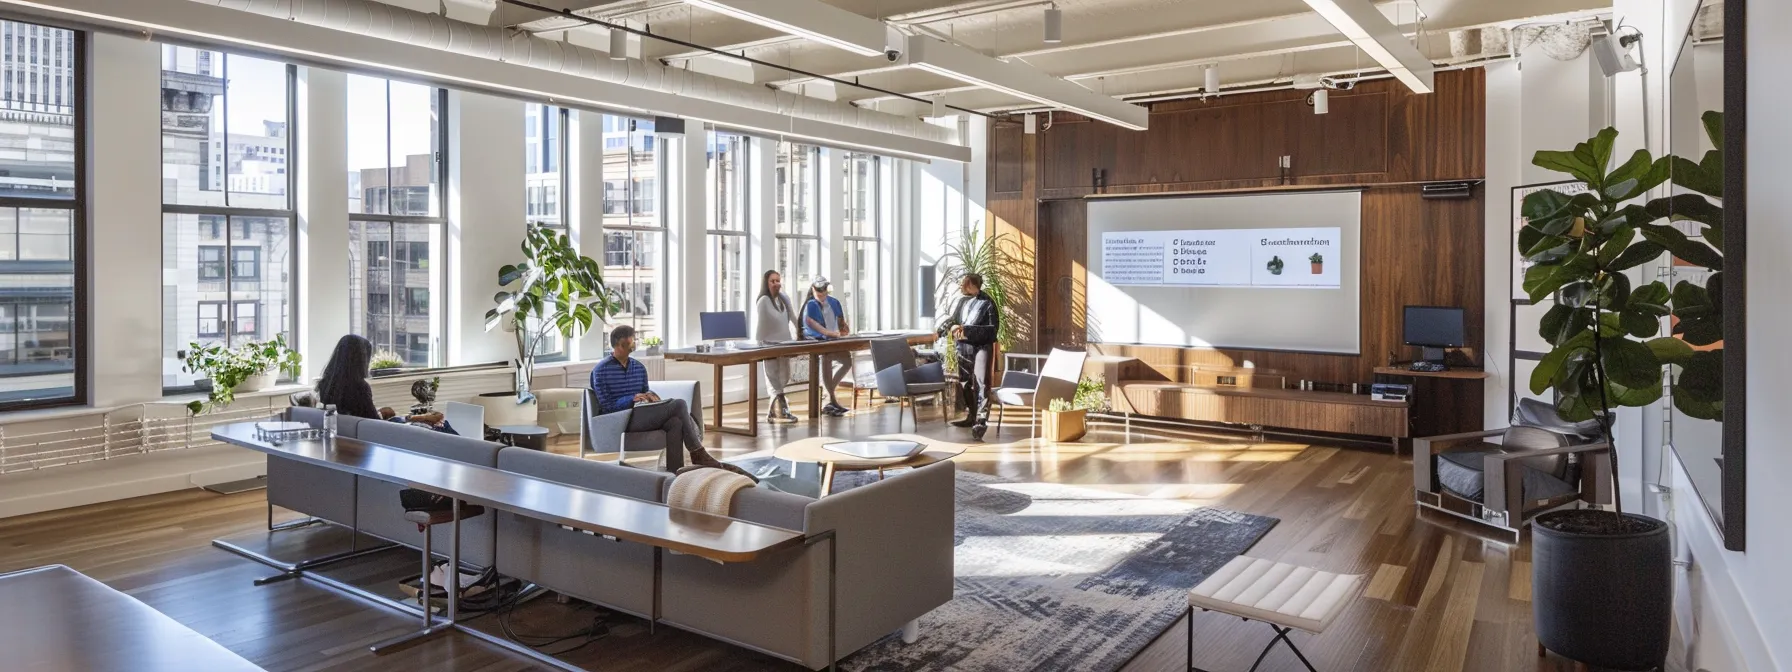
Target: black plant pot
1603,599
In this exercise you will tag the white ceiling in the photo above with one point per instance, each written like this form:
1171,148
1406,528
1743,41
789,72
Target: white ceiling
1126,48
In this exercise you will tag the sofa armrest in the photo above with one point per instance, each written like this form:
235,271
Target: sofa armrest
891,383
1424,469
603,433
1504,472
895,549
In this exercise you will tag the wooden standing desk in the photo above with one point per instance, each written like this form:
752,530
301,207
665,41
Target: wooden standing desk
751,357
59,619
1457,374
665,528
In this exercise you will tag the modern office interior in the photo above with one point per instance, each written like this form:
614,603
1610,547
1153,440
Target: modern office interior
894,335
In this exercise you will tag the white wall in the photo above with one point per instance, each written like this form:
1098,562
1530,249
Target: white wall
323,221
948,197
124,188
485,219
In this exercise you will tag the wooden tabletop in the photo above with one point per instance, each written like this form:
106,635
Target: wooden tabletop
55,619
814,449
708,536
850,343
1460,374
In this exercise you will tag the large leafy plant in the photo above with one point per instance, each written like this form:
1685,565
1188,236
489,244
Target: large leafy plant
553,290
227,368
1606,347
990,258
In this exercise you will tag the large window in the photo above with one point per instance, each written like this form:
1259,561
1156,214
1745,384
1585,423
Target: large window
227,208
730,287
545,173
634,233
862,189
798,201
396,165
41,216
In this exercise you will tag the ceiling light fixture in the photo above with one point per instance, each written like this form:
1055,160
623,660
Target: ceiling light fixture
1021,81
812,20
1054,24
1213,79
618,45
1322,101
1365,26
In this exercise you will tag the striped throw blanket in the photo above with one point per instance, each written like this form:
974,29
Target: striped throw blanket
708,490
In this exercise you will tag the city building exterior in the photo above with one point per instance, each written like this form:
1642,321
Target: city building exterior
37,211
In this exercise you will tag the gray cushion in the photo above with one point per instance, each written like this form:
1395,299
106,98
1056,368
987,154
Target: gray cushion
1543,415
1460,472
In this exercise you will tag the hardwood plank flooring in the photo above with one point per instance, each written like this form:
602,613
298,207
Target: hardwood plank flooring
1440,598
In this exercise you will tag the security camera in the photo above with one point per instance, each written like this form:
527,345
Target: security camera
893,55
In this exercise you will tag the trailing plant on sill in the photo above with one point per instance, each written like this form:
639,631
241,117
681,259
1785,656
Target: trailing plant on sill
556,290
227,368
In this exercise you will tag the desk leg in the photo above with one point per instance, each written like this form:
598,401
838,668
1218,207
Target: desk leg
815,383
716,397
827,479
431,627
753,398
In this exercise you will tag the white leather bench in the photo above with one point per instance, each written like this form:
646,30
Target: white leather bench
1286,597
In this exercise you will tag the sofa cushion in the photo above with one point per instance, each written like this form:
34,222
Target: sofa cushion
431,442
589,474
1460,472
1277,592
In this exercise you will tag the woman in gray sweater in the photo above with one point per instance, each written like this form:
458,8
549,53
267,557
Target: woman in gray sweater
775,321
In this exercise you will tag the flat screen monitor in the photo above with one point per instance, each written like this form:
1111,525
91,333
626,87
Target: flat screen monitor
723,326
1433,327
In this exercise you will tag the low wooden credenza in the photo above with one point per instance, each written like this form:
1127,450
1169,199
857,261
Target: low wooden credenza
1330,412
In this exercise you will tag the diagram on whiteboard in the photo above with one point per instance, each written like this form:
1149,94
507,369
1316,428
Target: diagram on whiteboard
1286,258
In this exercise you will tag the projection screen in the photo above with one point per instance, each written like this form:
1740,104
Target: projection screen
1261,271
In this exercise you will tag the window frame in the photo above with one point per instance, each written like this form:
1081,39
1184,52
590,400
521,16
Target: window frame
231,213
223,313
438,323
812,206
873,217
77,205
659,279
737,231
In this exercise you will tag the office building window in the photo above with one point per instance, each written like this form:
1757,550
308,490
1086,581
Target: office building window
397,165
41,217
227,203
862,187
797,201
730,217
634,234
545,169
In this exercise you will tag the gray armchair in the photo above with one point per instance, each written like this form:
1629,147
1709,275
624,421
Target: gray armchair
899,377
608,432
1504,477
1056,380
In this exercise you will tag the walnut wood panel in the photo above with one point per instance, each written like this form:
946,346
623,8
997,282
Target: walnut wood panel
1007,157
1335,412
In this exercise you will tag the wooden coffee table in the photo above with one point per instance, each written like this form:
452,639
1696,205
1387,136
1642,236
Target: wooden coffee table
813,450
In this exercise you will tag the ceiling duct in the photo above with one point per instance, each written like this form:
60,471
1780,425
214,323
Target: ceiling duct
660,89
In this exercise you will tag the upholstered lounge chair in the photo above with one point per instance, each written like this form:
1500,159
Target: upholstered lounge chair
1504,477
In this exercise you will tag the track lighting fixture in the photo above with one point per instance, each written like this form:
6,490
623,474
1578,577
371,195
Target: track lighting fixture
1054,24
1322,101
618,45
1213,79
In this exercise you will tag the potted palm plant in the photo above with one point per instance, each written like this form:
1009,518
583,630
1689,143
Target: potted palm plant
1066,420
249,367
552,290
990,258
1602,580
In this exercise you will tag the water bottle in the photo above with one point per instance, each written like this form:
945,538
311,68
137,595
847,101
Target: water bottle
329,421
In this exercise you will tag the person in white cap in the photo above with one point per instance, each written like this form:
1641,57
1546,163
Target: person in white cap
823,319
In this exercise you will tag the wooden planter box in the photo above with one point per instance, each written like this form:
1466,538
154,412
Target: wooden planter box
1063,426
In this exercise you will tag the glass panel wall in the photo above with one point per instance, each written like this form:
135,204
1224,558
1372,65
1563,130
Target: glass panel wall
396,167
634,233
730,215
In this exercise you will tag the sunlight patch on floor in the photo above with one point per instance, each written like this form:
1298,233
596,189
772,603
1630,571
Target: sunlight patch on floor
1072,554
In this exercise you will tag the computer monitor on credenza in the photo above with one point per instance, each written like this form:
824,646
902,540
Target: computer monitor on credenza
1433,329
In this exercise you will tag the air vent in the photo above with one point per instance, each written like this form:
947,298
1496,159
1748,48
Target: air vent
1447,190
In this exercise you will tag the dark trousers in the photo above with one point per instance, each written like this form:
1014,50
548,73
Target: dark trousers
683,432
976,372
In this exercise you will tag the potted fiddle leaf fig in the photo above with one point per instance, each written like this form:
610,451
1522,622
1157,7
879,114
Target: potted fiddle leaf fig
249,367
1602,580
552,290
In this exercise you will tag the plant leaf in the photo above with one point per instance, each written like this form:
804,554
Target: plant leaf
1637,254
1629,363
1670,350
1694,251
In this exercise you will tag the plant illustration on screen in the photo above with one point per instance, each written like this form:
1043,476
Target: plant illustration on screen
1275,265
1318,263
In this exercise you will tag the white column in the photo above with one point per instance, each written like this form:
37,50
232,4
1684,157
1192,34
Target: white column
124,222
323,214
832,226
762,242
585,207
683,173
485,219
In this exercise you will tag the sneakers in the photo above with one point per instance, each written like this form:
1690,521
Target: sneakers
966,421
833,409
978,430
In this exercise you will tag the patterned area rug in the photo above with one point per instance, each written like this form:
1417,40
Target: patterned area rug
1057,577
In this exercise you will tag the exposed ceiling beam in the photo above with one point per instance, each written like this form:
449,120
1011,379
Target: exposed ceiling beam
809,19
1378,37
1023,81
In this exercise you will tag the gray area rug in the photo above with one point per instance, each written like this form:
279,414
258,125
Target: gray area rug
1060,577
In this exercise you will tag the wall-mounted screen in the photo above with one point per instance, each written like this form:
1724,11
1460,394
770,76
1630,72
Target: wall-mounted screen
1276,271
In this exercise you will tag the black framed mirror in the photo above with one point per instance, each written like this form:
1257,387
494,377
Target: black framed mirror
1705,427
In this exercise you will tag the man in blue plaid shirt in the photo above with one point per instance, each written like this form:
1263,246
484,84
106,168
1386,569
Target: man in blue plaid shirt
621,384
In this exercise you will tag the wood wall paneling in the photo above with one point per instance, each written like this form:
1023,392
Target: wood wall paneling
1378,135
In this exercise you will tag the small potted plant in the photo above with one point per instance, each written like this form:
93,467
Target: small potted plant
653,345
386,363
1318,263
1275,265
246,368
1067,420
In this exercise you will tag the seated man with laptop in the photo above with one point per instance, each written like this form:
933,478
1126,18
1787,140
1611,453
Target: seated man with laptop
621,383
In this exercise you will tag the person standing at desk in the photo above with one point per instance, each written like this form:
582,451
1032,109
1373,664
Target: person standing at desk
775,322
972,325
824,320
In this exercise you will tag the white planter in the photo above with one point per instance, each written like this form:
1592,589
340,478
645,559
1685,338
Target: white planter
502,409
256,383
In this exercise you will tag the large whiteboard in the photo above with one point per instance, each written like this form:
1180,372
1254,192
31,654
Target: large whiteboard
1276,271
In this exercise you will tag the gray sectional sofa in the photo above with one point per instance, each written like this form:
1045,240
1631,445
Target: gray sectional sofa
893,563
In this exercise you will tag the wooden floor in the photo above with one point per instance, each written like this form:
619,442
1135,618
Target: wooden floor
1440,599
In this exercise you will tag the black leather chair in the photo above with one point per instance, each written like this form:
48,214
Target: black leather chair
1504,477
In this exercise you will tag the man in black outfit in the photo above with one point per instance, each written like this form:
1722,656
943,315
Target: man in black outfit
972,324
